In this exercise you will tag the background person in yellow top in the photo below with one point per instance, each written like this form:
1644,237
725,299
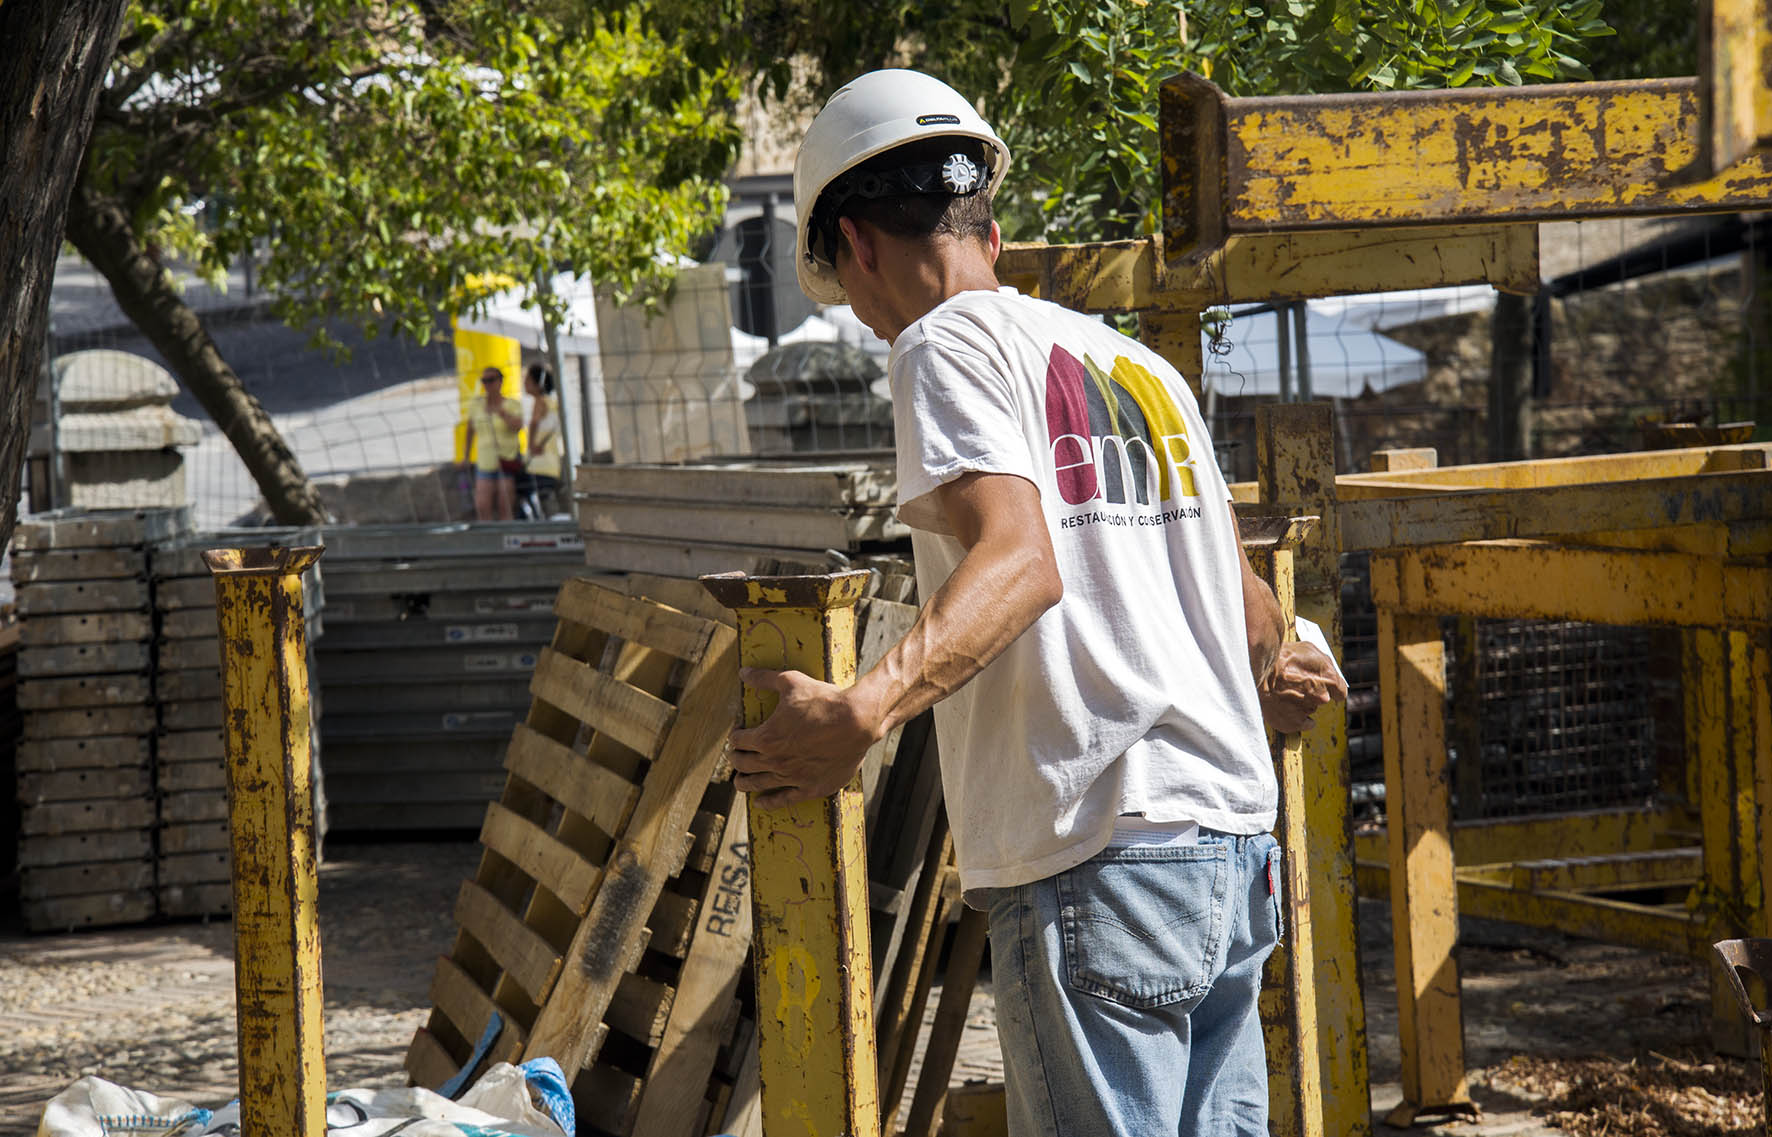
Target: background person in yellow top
544,436
495,420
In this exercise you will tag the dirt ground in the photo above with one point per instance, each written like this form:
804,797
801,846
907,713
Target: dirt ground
1562,1035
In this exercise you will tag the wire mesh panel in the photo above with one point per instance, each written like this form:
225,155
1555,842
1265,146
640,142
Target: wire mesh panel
1567,719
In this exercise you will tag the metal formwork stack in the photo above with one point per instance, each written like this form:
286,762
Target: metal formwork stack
86,778
432,635
190,773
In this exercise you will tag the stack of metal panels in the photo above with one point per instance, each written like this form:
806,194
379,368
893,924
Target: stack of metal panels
86,779
749,515
431,635
190,770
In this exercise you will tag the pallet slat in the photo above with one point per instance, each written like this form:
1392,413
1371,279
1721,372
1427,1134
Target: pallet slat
527,958
627,714
593,791
531,848
674,633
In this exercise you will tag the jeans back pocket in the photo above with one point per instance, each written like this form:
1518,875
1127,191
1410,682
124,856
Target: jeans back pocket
1145,927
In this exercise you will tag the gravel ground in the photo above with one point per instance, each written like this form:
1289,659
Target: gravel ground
1563,1036
153,1008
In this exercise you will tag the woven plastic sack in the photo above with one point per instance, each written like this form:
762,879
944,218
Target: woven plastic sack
501,1103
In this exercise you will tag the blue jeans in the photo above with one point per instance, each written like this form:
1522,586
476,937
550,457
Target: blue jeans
1126,991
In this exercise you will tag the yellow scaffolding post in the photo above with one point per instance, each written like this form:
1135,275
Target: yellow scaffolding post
258,595
1424,905
815,1000
1296,470
1289,988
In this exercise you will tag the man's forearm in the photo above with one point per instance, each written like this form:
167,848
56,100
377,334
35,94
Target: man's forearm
990,600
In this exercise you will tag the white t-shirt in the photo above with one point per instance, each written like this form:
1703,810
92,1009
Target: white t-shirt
1133,695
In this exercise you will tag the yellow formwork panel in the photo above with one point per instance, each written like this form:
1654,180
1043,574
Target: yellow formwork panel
1599,586
815,1035
271,830
1499,841
1539,153
1580,470
1554,511
1642,926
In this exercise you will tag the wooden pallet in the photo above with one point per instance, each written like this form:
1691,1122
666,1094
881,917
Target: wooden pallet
598,852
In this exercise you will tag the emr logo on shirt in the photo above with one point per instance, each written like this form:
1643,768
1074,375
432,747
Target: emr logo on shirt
1111,431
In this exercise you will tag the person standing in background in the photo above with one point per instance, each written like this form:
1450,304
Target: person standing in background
495,420
544,437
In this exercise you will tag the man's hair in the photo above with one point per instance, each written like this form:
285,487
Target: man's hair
491,373
920,216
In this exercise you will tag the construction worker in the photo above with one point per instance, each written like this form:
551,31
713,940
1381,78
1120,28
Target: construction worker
1097,650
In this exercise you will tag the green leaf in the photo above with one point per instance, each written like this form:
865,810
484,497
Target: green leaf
1077,69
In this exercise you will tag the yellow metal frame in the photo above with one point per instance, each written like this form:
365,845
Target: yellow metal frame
1736,108
1469,156
266,734
809,880
1290,991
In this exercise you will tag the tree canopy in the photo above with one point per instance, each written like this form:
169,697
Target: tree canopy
382,162
375,157
1073,84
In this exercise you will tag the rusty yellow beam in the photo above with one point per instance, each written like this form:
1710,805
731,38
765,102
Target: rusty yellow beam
1735,86
809,883
1406,158
1129,276
1600,586
1574,834
1295,459
1554,511
266,738
1424,911
1604,872
1652,928
1541,472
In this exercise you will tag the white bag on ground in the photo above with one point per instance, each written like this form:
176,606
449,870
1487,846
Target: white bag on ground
498,1105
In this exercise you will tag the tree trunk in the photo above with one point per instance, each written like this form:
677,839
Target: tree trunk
100,229
56,56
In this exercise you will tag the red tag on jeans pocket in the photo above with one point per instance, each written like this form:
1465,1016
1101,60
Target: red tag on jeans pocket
1270,878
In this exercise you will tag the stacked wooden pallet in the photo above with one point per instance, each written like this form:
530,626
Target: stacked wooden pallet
609,925
86,778
432,633
605,859
740,515
192,846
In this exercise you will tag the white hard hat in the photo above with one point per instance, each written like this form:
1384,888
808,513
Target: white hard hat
877,112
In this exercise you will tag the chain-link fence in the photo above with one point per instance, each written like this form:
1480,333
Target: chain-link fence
733,361
1641,324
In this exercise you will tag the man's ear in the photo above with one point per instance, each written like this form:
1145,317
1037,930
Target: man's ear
995,241
861,244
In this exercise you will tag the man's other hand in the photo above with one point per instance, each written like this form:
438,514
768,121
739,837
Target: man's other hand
809,748
1302,680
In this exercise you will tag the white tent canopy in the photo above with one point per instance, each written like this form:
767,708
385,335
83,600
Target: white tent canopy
1349,354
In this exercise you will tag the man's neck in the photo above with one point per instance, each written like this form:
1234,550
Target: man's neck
922,276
